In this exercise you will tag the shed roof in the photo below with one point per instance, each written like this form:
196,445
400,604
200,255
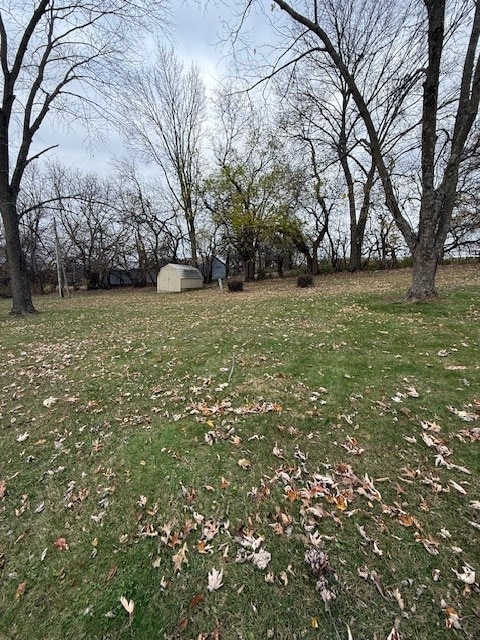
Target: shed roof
183,270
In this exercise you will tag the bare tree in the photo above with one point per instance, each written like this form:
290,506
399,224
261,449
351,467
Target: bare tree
321,114
449,109
163,120
94,239
53,55
154,232
34,208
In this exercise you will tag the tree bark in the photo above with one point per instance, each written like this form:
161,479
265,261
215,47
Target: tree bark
425,265
21,294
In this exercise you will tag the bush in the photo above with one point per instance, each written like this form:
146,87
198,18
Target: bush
235,285
305,281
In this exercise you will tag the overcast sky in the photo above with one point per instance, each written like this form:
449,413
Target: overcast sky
197,33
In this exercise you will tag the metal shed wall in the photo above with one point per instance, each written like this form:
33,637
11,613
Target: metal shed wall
178,277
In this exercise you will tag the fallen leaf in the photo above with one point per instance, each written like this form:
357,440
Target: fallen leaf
195,601
452,619
128,605
399,599
430,544
20,590
376,549
468,575
111,573
182,625
277,452
180,557
244,463
394,635
284,578
261,559
363,572
61,544
458,487
3,488
406,519
215,579
49,402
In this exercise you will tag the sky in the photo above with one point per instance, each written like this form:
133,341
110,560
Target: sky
197,33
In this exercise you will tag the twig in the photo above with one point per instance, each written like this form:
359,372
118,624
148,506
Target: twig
233,367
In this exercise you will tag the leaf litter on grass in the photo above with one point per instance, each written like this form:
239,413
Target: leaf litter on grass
291,495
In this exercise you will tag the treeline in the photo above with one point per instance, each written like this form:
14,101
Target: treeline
362,149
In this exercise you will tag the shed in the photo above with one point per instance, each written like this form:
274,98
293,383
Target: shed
178,277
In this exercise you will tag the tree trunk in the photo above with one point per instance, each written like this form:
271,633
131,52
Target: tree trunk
315,267
192,238
21,293
280,260
356,242
249,268
425,265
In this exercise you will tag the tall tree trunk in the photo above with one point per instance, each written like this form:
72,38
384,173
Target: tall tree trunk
21,294
249,268
315,267
357,230
192,237
425,265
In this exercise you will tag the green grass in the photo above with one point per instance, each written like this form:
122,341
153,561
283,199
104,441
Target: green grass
123,416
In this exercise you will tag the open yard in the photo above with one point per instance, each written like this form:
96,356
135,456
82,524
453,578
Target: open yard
277,463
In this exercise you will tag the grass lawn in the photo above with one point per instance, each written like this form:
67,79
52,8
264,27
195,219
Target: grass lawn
277,463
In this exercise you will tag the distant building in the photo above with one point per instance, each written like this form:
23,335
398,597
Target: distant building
131,277
212,268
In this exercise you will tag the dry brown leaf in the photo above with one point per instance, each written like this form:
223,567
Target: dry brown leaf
452,619
182,625
399,599
244,463
261,559
20,590
49,402
394,635
195,601
111,574
406,519
3,488
180,557
277,451
376,549
467,576
458,487
61,544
